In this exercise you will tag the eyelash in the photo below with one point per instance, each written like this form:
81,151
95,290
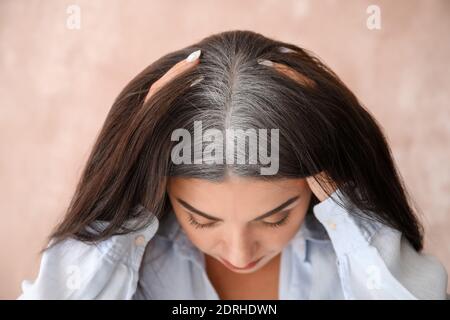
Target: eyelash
277,224
199,225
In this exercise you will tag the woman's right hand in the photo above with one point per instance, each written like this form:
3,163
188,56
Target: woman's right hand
180,67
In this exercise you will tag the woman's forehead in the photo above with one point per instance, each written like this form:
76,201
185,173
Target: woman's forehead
244,193
235,198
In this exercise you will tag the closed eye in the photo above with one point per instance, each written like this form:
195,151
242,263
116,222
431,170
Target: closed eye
279,222
275,224
199,225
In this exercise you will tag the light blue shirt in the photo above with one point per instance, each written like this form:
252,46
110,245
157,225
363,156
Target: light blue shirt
173,268
336,254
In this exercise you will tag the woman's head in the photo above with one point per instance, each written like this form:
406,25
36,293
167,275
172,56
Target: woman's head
320,126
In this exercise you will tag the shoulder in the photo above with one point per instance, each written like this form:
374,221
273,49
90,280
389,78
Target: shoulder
73,269
420,272
370,251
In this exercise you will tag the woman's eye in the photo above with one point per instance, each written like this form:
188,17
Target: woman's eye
279,222
199,225
275,223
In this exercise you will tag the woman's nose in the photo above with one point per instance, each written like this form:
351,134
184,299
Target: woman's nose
240,248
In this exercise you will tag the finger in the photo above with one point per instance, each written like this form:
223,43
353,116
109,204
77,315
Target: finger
288,71
177,69
321,185
293,74
316,189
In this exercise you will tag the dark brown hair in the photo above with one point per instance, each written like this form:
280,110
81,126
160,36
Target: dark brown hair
322,128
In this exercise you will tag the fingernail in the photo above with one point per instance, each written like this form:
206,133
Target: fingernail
194,56
265,62
285,50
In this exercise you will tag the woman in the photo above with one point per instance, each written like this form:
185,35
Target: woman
325,216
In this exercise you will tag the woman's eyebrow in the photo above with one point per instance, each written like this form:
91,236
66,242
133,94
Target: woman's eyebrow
264,215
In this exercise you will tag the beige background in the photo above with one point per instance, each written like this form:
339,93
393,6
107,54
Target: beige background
57,85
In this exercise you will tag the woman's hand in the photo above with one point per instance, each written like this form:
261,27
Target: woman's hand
178,68
328,184
318,191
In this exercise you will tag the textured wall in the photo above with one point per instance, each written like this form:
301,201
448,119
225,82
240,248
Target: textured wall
57,85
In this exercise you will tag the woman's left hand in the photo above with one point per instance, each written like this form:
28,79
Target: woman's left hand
318,191
329,185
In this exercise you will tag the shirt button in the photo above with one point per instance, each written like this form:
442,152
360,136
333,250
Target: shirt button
139,240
